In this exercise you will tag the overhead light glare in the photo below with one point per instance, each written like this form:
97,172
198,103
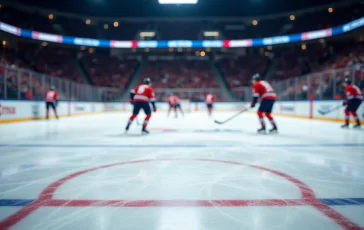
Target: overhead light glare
177,1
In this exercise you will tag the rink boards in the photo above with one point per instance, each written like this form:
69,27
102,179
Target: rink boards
16,111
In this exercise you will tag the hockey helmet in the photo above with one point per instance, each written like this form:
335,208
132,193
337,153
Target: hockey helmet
147,81
256,77
347,80
52,87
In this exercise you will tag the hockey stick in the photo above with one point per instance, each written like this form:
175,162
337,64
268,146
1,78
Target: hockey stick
230,118
330,110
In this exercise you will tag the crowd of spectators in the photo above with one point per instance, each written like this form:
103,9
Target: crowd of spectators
176,75
180,74
325,80
237,71
293,62
54,62
326,65
28,73
107,71
9,76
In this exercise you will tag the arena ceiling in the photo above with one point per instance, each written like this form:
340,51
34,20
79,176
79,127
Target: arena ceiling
151,8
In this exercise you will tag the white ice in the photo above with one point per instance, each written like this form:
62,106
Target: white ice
329,160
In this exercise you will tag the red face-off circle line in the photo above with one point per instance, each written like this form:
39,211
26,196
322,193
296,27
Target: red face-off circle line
308,197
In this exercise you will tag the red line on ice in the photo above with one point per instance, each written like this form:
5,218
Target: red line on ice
308,197
172,203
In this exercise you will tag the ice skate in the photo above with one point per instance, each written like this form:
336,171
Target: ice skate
357,126
127,128
145,131
261,130
273,130
345,126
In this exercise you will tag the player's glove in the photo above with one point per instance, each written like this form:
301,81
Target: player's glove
154,109
131,102
345,103
252,105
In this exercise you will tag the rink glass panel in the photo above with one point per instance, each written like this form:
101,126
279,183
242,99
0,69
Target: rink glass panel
324,85
21,84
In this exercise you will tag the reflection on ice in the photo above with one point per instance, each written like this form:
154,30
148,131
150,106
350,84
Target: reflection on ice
164,193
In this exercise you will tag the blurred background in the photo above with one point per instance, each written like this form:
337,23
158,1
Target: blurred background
97,50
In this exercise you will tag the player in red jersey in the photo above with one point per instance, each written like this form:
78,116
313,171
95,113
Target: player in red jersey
140,97
264,91
51,100
170,103
209,101
175,103
354,99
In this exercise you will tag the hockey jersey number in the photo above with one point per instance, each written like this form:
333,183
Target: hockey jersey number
51,96
143,93
263,90
141,89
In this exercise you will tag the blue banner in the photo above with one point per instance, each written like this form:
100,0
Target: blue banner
90,42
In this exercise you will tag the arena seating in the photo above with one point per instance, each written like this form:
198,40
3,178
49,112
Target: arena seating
347,60
9,61
180,74
52,61
293,62
239,70
106,71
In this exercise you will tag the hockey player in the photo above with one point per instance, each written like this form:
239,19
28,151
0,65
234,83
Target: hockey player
264,91
171,104
209,101
140,98
354,99
51,100
174,102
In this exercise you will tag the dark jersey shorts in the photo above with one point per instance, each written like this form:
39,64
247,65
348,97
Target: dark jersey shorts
266,106
209,106
50,104
141,105
353,104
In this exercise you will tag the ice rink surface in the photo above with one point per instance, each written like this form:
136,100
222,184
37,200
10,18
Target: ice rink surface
188,174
